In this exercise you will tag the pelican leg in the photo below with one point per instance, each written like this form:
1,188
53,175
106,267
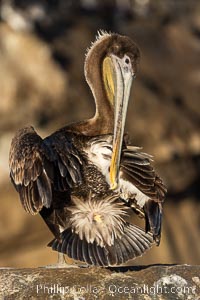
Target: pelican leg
65,261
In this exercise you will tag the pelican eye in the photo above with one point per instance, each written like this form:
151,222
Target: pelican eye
127,61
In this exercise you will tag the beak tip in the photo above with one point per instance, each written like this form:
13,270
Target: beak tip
113,186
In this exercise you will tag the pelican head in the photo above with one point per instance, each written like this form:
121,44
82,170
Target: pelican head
110,66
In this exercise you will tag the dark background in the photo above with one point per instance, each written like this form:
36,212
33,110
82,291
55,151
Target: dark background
42,50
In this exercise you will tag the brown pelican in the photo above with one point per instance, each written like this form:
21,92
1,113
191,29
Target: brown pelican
84,179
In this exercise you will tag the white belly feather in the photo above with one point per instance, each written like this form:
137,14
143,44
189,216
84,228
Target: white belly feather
99,154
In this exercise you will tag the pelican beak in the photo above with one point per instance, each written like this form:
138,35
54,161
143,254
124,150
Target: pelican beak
123,76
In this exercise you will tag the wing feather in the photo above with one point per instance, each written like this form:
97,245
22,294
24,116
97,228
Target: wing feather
28,170
66,159
39,167
136,167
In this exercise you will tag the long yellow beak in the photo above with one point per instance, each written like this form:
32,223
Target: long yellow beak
123,82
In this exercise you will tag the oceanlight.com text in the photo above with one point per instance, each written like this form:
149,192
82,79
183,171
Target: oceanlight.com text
113,289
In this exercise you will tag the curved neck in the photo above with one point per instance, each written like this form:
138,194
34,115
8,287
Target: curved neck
103,119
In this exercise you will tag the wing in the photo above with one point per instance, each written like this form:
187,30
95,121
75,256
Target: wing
39,169
66,160
31,170
136,169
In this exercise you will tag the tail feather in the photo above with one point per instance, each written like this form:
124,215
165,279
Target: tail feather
125,250
69,244
98,255
102,253
66,243
120,256
75,248
134,242
93,254
139,240
84,249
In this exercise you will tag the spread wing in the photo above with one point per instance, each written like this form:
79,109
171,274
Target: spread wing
136,168
30,170
66,160
38,167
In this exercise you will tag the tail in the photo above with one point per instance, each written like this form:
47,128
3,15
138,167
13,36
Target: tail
134,242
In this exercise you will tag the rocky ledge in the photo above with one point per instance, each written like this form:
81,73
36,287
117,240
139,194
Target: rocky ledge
138,282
